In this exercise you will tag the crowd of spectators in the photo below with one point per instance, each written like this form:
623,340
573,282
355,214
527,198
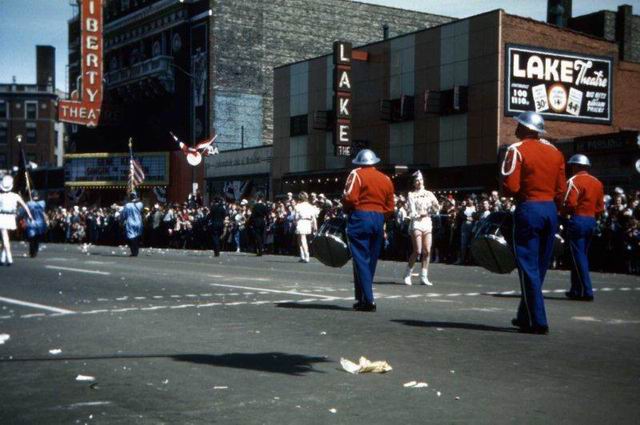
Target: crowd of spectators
615,246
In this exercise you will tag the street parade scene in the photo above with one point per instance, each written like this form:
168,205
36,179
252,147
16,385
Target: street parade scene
319,212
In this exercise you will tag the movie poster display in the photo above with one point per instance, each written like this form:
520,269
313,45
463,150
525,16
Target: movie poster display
558,85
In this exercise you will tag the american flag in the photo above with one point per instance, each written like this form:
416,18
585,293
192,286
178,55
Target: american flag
136,173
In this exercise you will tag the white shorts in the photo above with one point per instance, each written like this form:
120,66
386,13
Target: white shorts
422,225
8,221
303,227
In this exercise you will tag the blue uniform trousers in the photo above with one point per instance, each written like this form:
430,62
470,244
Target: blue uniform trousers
535,226
366,234
580,231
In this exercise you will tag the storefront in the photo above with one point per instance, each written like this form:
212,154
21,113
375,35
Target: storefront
102,178
442,100
238,174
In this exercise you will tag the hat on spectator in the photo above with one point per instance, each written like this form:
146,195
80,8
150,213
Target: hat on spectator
244,202
7,183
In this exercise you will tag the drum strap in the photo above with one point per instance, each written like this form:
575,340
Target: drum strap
514,160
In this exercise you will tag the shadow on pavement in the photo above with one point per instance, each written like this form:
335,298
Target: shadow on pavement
313,306
388,282
273,362
455,325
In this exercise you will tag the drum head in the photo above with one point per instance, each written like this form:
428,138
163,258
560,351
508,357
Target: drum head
330,250
493,253
194,158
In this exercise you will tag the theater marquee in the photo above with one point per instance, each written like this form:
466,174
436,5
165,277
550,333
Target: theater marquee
85,104
559,85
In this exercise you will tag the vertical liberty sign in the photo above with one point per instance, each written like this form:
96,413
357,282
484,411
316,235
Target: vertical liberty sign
86,101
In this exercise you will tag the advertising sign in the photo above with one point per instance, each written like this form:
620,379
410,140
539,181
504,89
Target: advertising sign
84,108
558,85
112,169
342,59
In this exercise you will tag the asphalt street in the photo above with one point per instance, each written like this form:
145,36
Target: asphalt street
181,337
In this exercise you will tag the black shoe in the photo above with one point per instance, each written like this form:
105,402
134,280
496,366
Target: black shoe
518,324
575,297
536,330
366,307
357,305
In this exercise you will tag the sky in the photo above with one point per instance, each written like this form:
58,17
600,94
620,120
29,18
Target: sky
27,23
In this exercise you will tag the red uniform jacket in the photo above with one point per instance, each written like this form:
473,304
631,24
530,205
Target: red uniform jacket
584,196
533,170
368,189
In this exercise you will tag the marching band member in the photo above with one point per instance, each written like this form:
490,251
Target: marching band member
583,201
368,196
9,202
305,220
421,203
533,172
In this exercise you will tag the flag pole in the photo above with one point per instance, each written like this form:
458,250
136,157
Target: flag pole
27,183
130,185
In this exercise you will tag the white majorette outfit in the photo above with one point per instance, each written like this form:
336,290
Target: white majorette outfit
422,203
9,202
8,209
305,215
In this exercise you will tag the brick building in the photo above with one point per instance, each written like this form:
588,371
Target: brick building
198,66
442,100
29,110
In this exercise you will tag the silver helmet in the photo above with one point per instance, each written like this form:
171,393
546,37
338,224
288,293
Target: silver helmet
532,121
366,157
579,159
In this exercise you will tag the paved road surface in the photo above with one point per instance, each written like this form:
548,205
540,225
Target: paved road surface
179,337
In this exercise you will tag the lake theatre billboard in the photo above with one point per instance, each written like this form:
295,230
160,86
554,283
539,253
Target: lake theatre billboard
559,85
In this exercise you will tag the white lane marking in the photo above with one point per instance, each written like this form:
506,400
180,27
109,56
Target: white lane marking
326,297
89,404
240,278
71,269
36,305
27,316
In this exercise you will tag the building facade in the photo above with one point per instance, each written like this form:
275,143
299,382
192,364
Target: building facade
199,67
29,111
442,100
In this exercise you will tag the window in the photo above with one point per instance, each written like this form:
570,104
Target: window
124,5
31,157
4,136
453,141
31,110
32,135
3,161
298,126
4,109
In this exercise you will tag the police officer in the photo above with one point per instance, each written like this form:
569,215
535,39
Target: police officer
368,197
132,217
583,202
533,172
216,220
37,227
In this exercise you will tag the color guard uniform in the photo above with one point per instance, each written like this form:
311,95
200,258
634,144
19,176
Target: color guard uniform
534,175
584,200
368,195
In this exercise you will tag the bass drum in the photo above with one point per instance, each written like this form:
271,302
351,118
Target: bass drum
330,244
491,247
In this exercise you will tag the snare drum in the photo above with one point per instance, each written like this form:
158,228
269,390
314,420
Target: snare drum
330,244
492,244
